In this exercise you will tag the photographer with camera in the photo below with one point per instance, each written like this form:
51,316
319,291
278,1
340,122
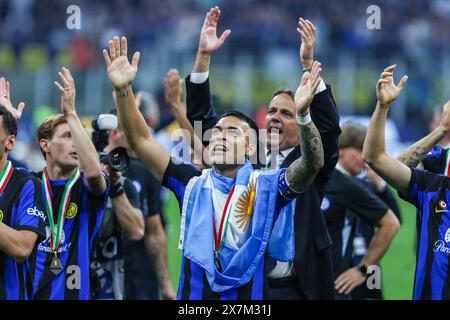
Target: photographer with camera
122,219
140,255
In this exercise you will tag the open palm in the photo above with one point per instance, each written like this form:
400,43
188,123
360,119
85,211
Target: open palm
5,100
387,90
209,42
120,72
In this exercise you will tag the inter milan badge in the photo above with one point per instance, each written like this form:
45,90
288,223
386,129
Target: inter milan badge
55,266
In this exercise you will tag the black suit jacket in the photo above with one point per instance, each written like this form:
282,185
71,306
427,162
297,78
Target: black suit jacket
312,260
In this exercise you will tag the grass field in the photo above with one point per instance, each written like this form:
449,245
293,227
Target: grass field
397,266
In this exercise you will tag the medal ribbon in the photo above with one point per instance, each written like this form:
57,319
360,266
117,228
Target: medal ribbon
5,175
447,163
56,234
218,237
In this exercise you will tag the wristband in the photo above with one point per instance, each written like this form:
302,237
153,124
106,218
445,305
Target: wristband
303,120
307,70
116,190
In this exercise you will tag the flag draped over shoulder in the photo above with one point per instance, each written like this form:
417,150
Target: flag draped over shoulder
269,228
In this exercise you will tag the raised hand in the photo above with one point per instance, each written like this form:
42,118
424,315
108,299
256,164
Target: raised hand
387,90
307,33
67,92
445,118
120,72
172,90
209,42
5,100
307,89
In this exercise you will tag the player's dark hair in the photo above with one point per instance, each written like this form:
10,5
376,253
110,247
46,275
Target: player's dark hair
9,122
287,91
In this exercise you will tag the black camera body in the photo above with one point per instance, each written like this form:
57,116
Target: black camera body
117,159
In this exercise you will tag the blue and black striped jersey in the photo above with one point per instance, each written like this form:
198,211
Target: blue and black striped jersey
82,221
436,160
21,208
429,192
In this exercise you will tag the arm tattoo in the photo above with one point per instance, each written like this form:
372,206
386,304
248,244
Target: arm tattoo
303,170
416,156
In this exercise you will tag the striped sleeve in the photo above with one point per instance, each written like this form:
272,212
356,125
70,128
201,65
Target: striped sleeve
31,210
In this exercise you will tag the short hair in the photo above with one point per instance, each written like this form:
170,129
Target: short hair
47,128
353,135
9,122
242,116
287,91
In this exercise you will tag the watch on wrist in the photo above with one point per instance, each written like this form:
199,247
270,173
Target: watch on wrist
363,269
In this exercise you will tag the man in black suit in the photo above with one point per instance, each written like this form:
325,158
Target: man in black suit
311,274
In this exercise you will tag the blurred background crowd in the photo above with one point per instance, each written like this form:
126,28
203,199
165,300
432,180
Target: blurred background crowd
260,56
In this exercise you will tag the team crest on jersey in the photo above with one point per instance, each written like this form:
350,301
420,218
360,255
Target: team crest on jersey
441,207
72,211
1,215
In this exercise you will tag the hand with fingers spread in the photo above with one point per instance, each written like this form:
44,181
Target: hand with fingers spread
67,92
387,90
307,33
120,72
5,99
209,42
172,91
308,86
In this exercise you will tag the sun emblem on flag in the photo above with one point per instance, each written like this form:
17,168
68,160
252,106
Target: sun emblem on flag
245,206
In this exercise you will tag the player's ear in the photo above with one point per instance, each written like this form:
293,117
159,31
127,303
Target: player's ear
10,142
44,145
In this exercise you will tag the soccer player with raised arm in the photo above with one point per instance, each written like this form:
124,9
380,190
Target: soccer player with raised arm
75,197
429,192
22,212
232,215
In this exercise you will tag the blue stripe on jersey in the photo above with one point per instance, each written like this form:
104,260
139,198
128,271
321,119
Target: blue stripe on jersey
196,283
440,262
423,247
258,282
11,279
24,218
229,295
181,282
177,187
59,282
83,255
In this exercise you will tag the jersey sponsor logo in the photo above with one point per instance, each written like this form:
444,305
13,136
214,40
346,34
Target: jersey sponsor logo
325,204
36,212
1,215
441,207
447,236
439,245
48,234
44,245
72,210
